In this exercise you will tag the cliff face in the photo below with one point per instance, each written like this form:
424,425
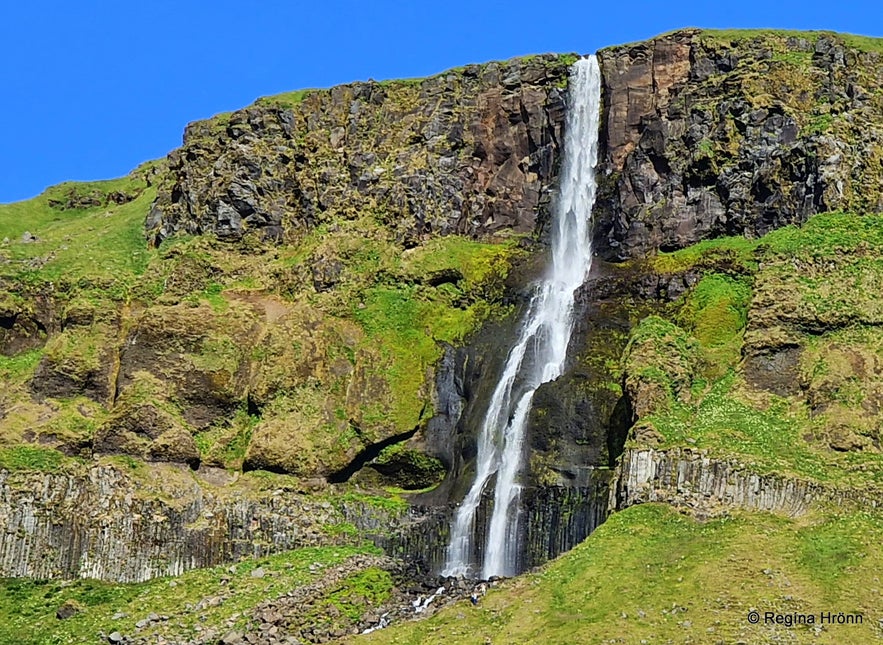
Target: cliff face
471,151
332,276
715,133
705,486
107,525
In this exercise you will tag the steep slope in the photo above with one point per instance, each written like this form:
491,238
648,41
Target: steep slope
651,574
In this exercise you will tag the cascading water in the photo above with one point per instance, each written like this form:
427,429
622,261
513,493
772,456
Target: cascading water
539,354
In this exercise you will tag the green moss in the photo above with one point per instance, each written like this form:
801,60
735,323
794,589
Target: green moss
20,367
406,324
31,458
393,503
770,439
343,529
411,469
226,442
568,59
716,312
733,250
663,339
819,124
483,266
705,147
356,594
217,353
77,351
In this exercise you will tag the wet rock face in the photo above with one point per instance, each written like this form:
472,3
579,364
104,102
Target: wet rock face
708,137
470,151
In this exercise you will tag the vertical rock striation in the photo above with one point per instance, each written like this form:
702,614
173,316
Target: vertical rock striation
693,481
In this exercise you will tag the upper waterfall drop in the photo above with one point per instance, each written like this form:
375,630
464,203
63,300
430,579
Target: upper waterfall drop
539,354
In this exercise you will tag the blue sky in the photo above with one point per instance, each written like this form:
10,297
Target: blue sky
90,89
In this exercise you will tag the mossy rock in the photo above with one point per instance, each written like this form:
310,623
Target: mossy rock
78,361
660,363
299,435
408,468
145,425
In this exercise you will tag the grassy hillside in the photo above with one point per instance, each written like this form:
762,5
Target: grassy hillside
650,575
342,326
705,375
191,603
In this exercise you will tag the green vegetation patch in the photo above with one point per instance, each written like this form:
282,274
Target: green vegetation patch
27,607
351,598
285,99
660,362
21,367
771,439
32,458
101,246
780,37
652,574
716,312
814,288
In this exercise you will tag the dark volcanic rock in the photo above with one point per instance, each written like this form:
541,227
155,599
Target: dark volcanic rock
708,137
68,610
470,151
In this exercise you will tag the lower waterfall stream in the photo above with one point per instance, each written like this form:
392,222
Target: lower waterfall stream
539,354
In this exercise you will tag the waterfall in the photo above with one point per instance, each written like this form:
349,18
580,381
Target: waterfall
539,354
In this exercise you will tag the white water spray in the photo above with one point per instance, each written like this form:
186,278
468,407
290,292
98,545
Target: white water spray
538,356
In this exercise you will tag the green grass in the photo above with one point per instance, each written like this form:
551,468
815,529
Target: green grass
98,248
823,277
392,503
27,607
770,440
652,575
227,441
32,458
285,99
407,324
355,594
738,250
18,368
716,312
861,43
409,321
484,266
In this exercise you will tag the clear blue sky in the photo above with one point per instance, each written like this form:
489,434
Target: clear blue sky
90,89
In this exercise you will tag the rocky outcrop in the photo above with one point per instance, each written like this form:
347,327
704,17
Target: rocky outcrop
706,134
24,320
686,479
712,134
126,528
470,151
705,486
